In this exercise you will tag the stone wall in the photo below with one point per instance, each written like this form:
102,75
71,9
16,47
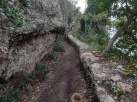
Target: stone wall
93,68
20,48
111,79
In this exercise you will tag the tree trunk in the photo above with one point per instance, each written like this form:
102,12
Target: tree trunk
119,32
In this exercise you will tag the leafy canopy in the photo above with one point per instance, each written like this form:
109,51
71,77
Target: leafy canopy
125,12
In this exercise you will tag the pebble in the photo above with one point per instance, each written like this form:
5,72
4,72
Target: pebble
113,84
98,82
116,77
115,97
125,87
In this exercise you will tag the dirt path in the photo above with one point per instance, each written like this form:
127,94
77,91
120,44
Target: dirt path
66,78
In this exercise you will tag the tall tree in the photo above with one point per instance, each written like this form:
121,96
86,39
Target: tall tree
124,10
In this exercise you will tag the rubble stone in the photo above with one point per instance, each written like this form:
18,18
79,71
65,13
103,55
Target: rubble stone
116,77
125,87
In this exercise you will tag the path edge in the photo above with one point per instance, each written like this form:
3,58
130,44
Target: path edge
85,54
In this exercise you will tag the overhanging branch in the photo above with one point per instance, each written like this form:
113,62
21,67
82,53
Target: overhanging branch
128,8
131,35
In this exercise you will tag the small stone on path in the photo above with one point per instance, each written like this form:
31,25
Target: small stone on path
124,87
116,77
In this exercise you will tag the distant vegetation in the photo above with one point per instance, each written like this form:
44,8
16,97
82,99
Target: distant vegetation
90,27
125,11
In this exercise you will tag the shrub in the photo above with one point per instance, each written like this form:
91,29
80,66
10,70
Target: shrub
13,97
51,56
41,70
20,81
59,46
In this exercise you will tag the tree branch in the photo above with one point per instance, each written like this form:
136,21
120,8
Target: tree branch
119,32
128,8
131,35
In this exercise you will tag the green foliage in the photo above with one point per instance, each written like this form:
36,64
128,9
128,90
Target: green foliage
113,7
121,53
91,30
96,39
25,3
130,50
82,25
69,21
59,46
106,82
90,92
21,81
124,58
52,55
118,91
7,9
126,45
131,71
13,97
99,6
41,70
135,84
121,10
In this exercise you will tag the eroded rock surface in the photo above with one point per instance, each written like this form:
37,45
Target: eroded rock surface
20,48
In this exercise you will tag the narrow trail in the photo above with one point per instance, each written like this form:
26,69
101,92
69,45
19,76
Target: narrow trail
66,78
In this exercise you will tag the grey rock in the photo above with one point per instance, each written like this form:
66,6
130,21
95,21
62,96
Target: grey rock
115,98
96,71
20,48
119,66
125,87
120,69
116,77
103,96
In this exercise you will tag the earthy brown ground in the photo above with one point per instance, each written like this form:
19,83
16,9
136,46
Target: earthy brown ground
66,78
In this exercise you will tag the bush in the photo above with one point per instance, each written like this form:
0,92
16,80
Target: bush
20,81
41,70
59,46
51,56
13,97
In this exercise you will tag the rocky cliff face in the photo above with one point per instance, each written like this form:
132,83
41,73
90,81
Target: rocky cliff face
20,48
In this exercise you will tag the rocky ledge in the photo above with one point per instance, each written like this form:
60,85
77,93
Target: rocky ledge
21,47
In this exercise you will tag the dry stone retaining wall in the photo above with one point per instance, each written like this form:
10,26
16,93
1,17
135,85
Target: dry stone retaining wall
110,79
92,68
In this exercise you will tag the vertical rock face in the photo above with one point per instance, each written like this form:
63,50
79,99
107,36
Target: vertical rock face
20,48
